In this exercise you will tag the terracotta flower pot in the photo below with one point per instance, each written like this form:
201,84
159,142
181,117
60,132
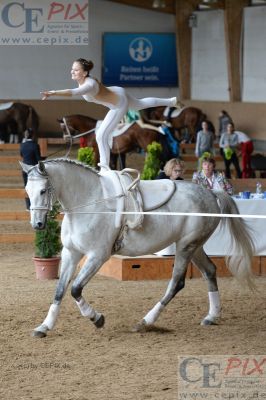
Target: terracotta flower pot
46,268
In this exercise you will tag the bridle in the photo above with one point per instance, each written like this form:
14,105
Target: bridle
50,195
51,198
70,138
74,136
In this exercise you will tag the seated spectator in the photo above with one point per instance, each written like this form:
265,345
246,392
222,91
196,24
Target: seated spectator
173,169
229,144
209,178
204,141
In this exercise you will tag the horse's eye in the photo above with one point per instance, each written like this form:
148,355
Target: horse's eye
43,191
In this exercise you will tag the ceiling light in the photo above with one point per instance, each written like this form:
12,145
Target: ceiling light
158,4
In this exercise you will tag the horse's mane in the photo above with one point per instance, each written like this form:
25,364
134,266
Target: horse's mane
66,161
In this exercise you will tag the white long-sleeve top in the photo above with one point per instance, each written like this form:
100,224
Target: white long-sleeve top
242,137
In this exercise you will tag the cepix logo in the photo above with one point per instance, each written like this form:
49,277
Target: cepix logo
32,19
218,376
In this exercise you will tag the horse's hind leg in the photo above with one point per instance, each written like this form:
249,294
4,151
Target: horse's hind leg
68,265
208,270
176,283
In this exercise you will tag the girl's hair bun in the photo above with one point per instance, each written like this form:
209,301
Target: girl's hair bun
87,65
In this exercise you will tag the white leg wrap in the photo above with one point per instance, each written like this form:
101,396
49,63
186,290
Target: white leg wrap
215,305
153,314
85,309
173,101
52,315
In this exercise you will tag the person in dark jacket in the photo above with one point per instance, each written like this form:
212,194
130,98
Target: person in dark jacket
173,169
30,153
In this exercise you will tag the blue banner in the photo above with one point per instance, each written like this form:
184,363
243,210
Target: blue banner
139,59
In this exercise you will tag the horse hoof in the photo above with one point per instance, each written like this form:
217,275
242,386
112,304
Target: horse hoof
38,334
100,322
140,327
207,322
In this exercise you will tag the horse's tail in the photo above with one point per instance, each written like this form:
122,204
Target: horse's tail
33,121
242,249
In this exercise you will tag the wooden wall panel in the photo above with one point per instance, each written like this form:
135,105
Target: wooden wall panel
233,31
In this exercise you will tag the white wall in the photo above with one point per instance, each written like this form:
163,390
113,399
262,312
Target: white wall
209,78
26,70
254,62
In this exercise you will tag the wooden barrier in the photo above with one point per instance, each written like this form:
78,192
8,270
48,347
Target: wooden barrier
193,158
14,215
191,146
17,238
19,216
12,193
138,268
10,146
10,159
10,172
153,267
43,142
241,185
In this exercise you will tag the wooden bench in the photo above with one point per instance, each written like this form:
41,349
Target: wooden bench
8,193
10,159
10,146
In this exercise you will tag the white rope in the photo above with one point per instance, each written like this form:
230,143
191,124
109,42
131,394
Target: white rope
69,210
83,134
76,136
192,214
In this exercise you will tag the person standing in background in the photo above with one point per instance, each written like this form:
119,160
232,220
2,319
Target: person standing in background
229,145
224,120
204,141
31,155
246,147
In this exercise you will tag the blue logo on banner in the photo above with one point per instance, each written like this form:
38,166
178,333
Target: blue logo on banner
140,49
143,59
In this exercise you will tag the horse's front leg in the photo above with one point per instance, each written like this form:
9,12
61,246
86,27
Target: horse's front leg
90,267
176,283
69,261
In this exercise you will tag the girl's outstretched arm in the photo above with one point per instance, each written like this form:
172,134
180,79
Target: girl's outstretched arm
48,93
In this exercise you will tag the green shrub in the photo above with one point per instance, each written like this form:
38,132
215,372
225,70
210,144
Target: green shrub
47,241
152,161
86,155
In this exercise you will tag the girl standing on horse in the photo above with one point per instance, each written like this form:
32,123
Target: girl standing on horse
114,97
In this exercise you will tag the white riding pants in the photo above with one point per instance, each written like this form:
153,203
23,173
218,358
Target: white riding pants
115,115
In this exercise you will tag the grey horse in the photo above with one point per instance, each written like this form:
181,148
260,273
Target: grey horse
90,228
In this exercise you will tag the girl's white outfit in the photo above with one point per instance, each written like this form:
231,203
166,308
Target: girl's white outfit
90,88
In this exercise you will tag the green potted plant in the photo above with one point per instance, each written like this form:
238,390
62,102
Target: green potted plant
47,246
86,155
152,161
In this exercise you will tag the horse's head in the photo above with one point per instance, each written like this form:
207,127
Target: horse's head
40,193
